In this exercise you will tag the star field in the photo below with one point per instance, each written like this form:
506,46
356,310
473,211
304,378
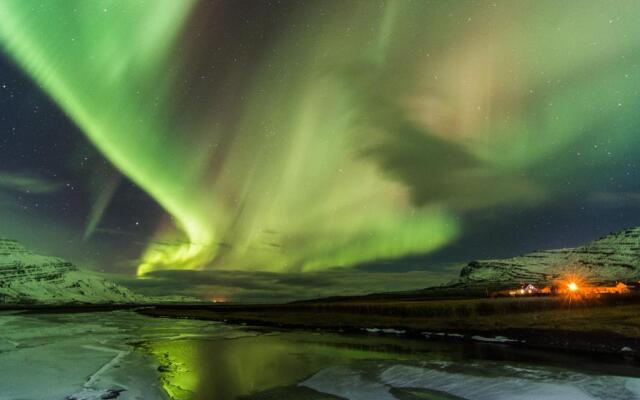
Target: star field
292,138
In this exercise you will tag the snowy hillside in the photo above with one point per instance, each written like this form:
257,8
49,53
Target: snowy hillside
26,277
615,257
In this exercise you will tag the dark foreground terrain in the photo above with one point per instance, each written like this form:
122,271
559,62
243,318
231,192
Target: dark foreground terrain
604,324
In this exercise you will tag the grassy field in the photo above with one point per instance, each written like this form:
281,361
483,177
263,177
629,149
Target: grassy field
607,323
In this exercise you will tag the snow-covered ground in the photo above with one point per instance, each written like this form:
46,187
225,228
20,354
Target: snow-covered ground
83,355
472,381
90,356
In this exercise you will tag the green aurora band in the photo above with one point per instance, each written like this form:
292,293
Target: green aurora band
364,131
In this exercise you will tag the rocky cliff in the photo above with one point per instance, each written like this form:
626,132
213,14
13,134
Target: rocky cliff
615,257
26,277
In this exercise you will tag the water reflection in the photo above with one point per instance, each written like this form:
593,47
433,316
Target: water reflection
225,369
271,365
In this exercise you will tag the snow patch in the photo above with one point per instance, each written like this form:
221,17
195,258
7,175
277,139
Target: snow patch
479,387
388,331
633,386
347,383
495,339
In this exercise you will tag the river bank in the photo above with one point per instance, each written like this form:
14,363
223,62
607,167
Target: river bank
125,355
604,326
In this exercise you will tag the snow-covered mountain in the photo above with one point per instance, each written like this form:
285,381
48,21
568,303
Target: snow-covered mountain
615,257
26,277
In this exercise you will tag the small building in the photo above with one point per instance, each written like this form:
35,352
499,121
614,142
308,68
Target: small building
525,290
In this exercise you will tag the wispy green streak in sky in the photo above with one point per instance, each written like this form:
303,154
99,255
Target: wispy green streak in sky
358,131
101,62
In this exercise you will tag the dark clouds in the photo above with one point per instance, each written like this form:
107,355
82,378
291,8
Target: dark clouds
256,286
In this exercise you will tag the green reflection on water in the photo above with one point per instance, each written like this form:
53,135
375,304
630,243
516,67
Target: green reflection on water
227,368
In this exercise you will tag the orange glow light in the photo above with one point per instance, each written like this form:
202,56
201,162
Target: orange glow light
218,299
572,286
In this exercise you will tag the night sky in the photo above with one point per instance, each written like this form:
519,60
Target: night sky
271,150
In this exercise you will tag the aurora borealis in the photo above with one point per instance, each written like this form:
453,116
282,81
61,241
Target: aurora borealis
266,138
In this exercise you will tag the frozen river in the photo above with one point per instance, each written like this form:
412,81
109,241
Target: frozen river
124,355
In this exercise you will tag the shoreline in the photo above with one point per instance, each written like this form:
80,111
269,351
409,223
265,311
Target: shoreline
594,343
604,326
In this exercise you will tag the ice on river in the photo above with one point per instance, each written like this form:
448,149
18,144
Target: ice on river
85,355
483,381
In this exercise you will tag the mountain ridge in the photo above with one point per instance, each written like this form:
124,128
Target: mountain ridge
611,258
30,278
